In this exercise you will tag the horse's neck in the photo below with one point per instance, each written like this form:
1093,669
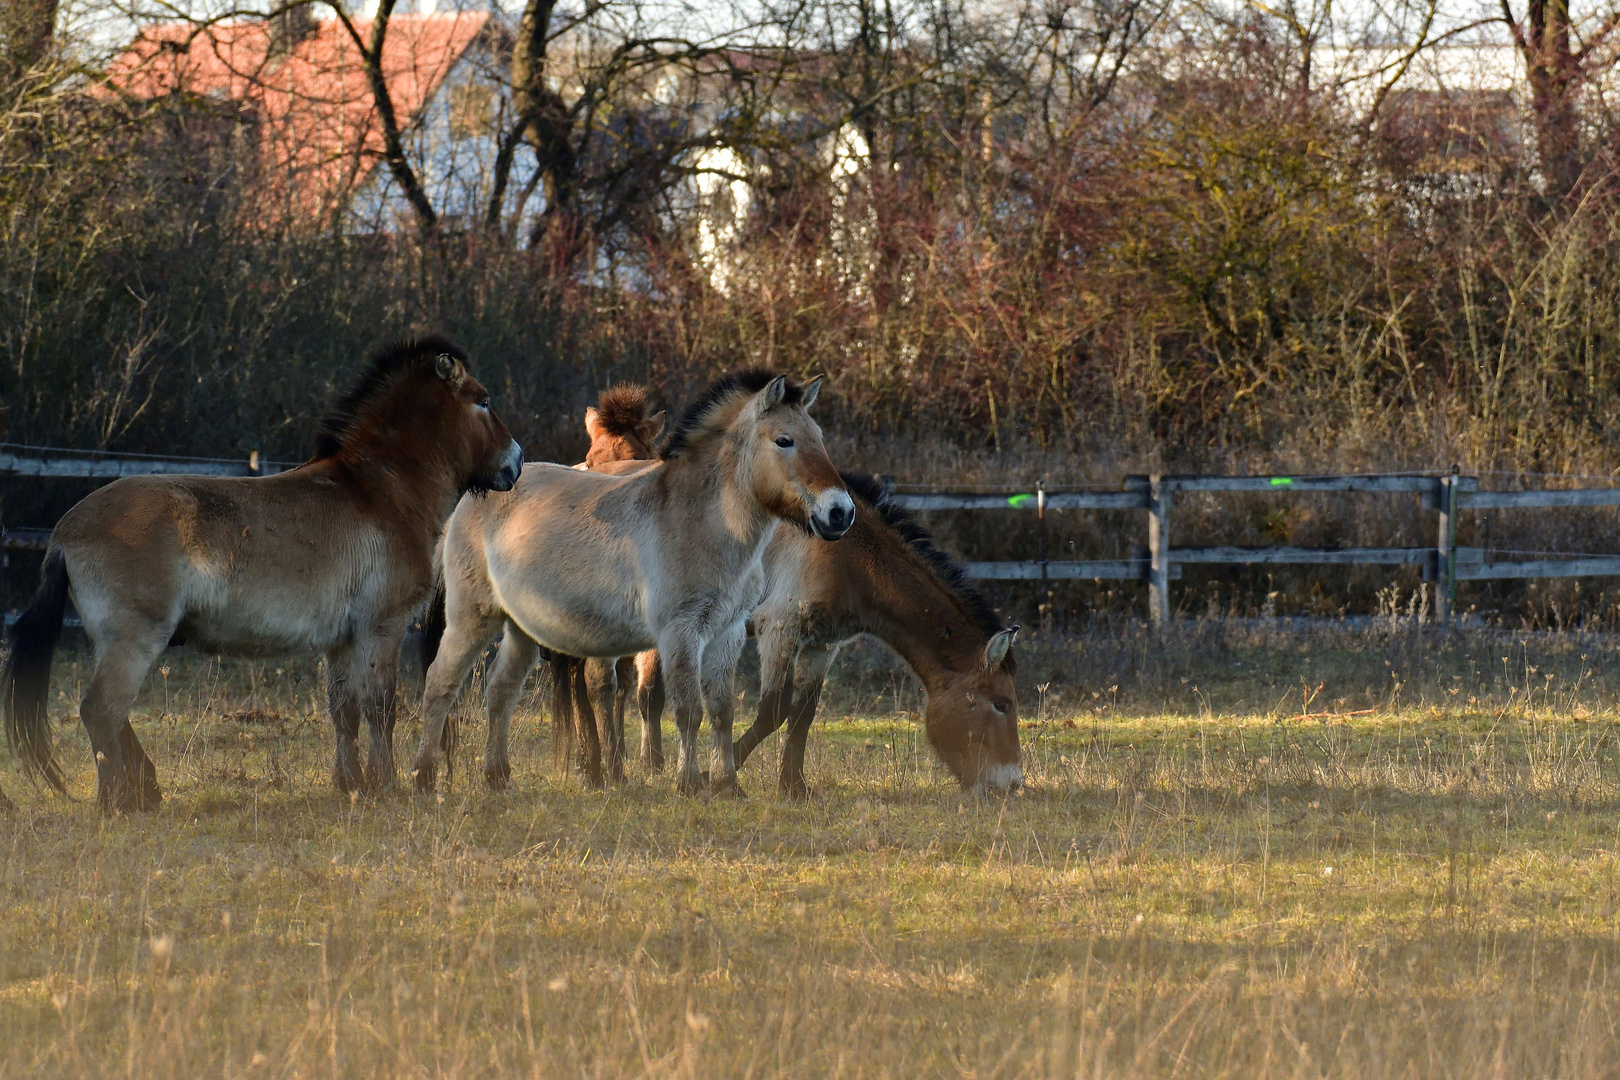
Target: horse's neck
897,598
724,513
420,492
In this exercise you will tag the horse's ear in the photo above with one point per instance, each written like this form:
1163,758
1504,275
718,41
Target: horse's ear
995,651
593,423
448,368
811,389
652,427
770,397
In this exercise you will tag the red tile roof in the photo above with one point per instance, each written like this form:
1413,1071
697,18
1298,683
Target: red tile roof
318,131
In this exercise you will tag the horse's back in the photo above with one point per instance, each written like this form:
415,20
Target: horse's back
236,564
564,554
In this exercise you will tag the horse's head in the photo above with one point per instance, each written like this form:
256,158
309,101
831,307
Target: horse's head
416,400
485,456
781,452
620,428
973,722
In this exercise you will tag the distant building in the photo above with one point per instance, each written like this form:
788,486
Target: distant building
297,89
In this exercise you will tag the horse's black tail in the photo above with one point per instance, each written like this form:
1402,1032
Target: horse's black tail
432,629
562,705
25,682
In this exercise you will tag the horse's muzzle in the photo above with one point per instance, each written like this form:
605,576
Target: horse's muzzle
833,515
509,471
1000,779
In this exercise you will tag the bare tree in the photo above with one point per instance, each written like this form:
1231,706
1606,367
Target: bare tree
1558,64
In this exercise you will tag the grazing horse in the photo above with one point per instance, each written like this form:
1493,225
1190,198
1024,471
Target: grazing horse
888,579
669,557
333,557
885,578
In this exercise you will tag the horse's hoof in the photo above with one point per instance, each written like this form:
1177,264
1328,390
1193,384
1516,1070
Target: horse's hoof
120,802
727,789
693,785
498,777
425,775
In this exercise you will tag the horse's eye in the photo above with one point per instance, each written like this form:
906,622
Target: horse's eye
484,404
784,442
999,706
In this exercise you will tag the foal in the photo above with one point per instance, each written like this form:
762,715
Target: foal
333,557
593,565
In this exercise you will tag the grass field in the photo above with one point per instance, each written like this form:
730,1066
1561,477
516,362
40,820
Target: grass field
1242,856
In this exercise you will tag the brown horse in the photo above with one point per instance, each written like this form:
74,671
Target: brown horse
594,565
332,557
888,579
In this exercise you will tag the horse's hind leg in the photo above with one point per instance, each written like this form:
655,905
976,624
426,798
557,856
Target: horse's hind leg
464,639
590,743
501,689
602,682
125,777
650,701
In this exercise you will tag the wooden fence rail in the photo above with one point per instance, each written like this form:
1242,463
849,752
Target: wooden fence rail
1160,562
1157,564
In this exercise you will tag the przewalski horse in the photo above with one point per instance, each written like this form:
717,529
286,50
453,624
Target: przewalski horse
886,578
332,557
620,430
593,565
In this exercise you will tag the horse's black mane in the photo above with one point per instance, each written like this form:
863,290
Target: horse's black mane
696,417
386,364
921,541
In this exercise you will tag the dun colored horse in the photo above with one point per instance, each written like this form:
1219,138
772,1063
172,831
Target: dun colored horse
887,578
587,564
620,430
332,557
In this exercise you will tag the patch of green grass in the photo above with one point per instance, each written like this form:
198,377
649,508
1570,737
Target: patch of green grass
1427,889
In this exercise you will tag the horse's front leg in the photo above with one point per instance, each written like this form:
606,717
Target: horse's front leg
720,702
343,705
681,654
466,633
810,674
376,676
778,650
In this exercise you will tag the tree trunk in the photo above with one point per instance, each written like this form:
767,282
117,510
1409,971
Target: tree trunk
393,145
543,114
1554,74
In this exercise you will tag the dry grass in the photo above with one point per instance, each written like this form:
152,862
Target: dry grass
1193,886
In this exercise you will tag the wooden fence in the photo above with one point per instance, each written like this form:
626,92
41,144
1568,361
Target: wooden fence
1159,562
1156,564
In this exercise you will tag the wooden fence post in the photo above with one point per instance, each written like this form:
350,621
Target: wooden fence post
1445,554
1159,500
